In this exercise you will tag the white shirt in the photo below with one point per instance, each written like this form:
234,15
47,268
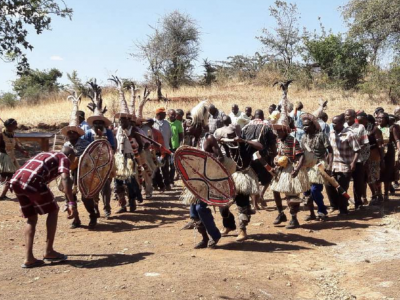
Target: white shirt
243,120
234,117
165,128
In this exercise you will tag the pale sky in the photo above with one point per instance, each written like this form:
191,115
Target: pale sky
98,40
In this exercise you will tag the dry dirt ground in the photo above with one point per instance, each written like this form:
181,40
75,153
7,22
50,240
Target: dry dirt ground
144,255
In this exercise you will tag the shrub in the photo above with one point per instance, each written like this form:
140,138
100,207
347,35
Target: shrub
8,100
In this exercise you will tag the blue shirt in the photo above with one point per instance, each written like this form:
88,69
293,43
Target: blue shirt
298,134
325,128
85,127
297,120
89,136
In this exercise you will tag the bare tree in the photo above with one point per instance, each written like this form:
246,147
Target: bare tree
283,41
154,52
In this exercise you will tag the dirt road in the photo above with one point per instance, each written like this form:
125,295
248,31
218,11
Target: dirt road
143,255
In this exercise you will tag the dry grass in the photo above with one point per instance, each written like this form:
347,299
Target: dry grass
58,111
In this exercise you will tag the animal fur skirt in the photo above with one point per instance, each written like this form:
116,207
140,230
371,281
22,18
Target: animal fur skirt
6,164
284,183
125,167
314,176
246,182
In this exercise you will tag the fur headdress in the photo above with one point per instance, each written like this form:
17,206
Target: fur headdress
74,120
283,121
96,106
200,113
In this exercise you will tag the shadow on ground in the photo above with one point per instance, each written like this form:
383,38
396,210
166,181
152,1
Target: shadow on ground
105,260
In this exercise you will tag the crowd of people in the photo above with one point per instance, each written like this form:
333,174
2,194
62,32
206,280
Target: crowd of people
288,150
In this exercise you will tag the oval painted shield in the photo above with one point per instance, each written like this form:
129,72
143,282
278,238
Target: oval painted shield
204,176
95,166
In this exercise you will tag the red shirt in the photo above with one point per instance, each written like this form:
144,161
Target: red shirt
158,137
41,169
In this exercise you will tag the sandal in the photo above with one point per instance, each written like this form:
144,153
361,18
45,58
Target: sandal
37,263
75,225
59,258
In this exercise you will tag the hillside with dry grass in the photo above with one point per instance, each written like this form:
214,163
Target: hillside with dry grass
56,111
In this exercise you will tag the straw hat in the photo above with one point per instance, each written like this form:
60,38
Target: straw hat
74,120
97,106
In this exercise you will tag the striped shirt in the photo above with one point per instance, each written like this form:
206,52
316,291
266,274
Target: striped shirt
345,146
289,147
362,138
41,169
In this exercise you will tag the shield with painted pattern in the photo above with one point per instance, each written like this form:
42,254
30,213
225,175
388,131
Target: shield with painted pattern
204,176
94,169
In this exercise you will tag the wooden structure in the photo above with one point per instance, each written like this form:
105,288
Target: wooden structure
42,138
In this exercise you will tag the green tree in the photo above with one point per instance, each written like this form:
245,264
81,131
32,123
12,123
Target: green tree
343,60
182,38
375,23
16,16
8,100
171,50
243,67
283,42
77,85
35,85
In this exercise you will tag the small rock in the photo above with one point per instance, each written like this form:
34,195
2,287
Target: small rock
258,224
367,260
146,242
288,283
36,278
151,274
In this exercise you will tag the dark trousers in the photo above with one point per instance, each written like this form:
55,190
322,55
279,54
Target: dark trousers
171,168
316,194
161,177
336,200
133,188
202,212
358,183
89,206
243,205
106,196
228,219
